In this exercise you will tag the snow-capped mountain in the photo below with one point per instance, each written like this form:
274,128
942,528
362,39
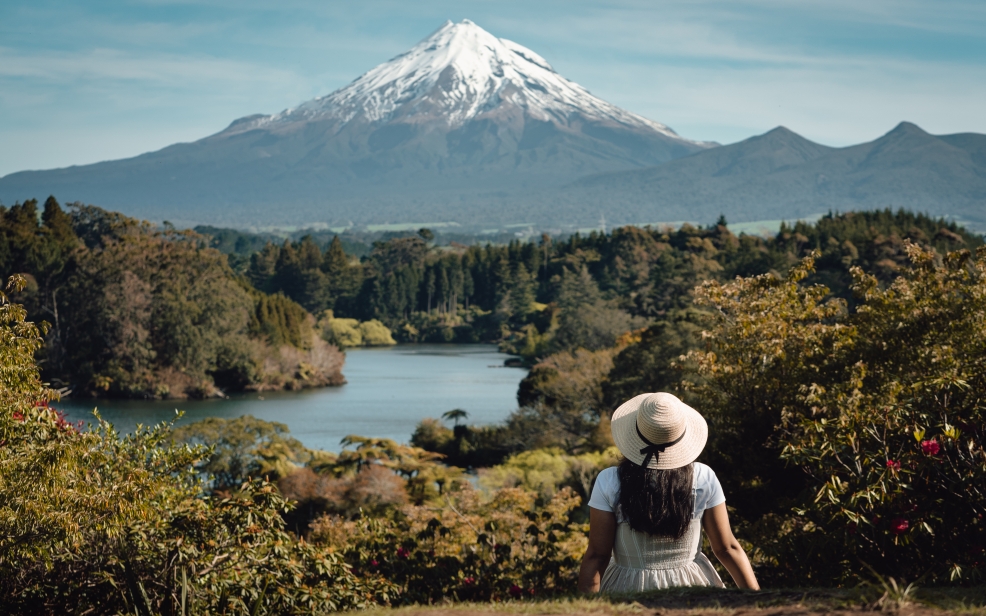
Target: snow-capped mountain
463,127
458,74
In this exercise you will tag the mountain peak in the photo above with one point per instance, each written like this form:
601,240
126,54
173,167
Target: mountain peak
905,129
458,73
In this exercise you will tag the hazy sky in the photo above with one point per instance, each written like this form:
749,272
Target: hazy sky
95,80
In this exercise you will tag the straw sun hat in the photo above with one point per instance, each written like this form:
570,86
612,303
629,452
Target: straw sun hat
659,431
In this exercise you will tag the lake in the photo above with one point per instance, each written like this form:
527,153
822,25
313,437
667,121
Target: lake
389,390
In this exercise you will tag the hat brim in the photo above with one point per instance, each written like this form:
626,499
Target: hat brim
683,453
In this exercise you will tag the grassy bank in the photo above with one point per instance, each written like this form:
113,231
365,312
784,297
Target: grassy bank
700,601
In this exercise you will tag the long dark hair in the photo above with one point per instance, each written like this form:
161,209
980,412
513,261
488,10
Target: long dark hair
656,502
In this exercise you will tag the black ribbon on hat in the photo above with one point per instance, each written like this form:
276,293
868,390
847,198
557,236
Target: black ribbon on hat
654,450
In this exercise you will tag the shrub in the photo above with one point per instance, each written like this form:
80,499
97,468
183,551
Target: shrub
376,333
879,414
344,332
91,522
510,546
545,471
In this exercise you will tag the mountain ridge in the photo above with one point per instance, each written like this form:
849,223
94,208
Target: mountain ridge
906,167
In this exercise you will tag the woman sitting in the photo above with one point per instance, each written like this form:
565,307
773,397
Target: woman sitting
646,515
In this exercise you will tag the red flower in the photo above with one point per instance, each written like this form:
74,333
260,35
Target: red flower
469,581
899,525
374,563
893,465
402,553
516,591
931,447
18,416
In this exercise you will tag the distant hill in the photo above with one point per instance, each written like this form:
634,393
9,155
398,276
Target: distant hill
783,175
463,127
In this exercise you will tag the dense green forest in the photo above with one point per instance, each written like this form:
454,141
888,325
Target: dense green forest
143,312
557,294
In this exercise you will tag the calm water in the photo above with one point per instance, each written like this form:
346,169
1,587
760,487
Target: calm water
388,391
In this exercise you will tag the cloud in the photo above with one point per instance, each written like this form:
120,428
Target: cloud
159,69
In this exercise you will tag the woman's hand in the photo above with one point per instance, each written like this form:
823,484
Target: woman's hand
730,553
602,534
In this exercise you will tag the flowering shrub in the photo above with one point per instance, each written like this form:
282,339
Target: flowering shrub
878,413
510,546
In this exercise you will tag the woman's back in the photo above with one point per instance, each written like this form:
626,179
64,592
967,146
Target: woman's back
642,561
646,516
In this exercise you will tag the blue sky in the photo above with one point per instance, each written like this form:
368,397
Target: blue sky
84,81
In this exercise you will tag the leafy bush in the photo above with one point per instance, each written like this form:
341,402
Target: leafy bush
878,412
509,546
90,521
376,333
348,333
545,471
243,448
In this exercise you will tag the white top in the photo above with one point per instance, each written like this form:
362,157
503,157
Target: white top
705,489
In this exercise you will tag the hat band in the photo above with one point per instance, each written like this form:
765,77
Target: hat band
654,450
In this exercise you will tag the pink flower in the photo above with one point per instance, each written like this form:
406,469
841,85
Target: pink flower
893,465
931,447
516,591
402,553
899,525
374,563
469,581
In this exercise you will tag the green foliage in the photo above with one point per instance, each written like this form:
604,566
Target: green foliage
90,521
652,362
511,546
545,471
344,333
375,333
281,321
139,312
243,449
465,446
348,333
570,380
878,413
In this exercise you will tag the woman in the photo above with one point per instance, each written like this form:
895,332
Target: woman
646,516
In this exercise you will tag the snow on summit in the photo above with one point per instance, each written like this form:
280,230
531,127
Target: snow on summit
458,73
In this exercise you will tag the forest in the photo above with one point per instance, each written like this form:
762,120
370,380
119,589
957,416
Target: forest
840,365
139,311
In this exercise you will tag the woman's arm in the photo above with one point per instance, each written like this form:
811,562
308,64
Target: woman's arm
730,553
602,534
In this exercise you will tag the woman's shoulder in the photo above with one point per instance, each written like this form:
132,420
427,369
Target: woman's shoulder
609,472
703,470
703,475
707,487
608,479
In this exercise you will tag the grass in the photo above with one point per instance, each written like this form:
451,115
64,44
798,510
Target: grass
716,602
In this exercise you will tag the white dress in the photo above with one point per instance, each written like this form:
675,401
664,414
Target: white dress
645,562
